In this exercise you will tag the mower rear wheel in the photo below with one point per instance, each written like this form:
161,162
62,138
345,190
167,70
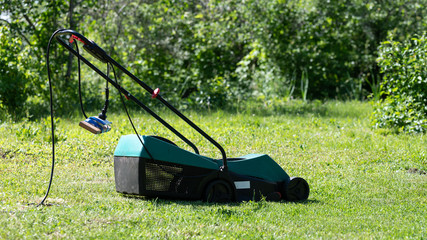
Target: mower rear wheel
296,189
218,191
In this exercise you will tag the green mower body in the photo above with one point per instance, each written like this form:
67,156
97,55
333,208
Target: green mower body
166,170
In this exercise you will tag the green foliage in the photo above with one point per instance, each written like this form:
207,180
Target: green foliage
188,49
33,22
404,66
212,53
13,76
336,42
264,79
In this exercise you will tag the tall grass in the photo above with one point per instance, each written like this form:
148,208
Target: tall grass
365,183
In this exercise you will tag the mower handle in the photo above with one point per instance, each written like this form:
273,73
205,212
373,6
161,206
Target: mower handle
89,45
101,55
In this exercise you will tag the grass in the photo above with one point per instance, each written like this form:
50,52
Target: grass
365,183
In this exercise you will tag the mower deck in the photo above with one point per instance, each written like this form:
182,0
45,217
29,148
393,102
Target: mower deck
168,171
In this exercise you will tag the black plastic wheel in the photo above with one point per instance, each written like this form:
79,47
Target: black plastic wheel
296,189
218,191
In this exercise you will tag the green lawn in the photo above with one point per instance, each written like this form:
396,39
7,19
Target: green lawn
365,183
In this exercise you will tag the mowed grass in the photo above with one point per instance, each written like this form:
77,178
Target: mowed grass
365,183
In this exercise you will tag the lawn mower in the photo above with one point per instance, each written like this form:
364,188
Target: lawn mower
155,167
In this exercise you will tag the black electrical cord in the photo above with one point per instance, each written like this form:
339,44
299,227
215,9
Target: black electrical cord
103,113
52,124
81,106
80,87
51,108
127,113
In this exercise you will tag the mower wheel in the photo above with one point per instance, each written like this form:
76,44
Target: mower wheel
296,189
218,191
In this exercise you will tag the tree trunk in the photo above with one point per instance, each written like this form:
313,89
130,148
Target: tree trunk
73,27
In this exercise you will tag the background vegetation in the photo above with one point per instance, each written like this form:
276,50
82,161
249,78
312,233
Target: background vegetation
207,53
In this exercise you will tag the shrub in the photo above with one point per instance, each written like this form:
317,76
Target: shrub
13,79
404,87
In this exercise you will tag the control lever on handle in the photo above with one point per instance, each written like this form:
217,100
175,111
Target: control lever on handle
95,51
90,46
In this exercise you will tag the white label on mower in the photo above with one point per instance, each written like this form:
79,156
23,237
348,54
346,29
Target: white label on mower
242,184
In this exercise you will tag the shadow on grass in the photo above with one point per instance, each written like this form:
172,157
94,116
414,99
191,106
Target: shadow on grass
169,201
296,107
330,108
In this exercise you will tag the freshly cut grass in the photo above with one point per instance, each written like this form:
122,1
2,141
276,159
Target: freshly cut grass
365,183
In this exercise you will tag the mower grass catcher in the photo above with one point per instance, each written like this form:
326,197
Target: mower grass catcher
153,166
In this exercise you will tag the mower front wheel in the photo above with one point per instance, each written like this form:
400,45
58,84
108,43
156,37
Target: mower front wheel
218,191
296,189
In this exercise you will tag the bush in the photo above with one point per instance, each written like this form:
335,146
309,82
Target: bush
13,79
404,66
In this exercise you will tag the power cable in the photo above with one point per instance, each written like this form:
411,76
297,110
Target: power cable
52,124
127,113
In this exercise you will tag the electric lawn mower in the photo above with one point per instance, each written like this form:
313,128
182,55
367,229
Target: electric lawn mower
153,166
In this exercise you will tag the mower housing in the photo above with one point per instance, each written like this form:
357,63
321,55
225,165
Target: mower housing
158,168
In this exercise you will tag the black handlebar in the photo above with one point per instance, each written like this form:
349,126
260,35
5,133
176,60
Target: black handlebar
101,55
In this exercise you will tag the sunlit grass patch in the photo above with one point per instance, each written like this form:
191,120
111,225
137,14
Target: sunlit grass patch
362,185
